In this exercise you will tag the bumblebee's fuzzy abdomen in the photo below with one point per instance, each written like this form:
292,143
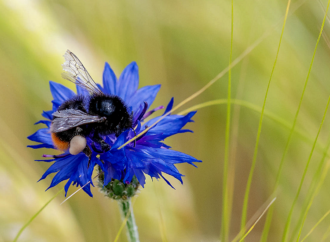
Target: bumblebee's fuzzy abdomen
62,139
58,143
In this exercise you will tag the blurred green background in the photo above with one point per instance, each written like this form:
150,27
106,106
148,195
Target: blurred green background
181,45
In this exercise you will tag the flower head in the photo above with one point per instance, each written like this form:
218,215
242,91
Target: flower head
148,155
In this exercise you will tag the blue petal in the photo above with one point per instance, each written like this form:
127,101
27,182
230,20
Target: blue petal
60,93
73,168
94,161
46,122
48,114
41,146
111,173
120,140
169,125
128,82
58,165
139,113
170,156
167,181
145,94
116,157
129,175
140,176
134,161
82,91
56,104
109,80
170,170
42,136
100,87
169,106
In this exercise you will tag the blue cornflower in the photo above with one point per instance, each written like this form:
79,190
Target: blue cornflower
148,155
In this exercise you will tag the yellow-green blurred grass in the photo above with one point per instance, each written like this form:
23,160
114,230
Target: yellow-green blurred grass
182,45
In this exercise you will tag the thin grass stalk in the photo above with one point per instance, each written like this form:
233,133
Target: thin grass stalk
234,142
36,214
248,186
225,214
311,189
256,216
235,122
326,234
318,222
255,108
255,223
315,192
279,173
161,220
286,228
287,224
317,182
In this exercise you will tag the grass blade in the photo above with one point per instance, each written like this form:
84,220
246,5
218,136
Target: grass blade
287,224
323,217
36,214
248,186
295,119
258,220
225,212
254,219
256,108
315,191
326,235
161,219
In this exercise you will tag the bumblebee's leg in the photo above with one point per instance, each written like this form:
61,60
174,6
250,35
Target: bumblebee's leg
88,153
135,135
104,146
79,131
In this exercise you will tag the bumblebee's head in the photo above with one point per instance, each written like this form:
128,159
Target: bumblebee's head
106,108
114,110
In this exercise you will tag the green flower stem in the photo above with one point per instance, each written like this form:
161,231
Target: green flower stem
126,210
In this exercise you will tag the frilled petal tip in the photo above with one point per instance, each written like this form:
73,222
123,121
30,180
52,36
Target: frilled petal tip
59,92
169,125
144,94
128,81
41,136
48,114
109,80
46,122
72,167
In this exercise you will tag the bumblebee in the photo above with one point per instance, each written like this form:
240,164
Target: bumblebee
81,117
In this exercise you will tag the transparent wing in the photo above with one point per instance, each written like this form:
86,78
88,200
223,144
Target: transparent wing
70,118
75,72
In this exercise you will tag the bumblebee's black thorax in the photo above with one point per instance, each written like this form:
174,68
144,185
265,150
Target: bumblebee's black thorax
113,108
